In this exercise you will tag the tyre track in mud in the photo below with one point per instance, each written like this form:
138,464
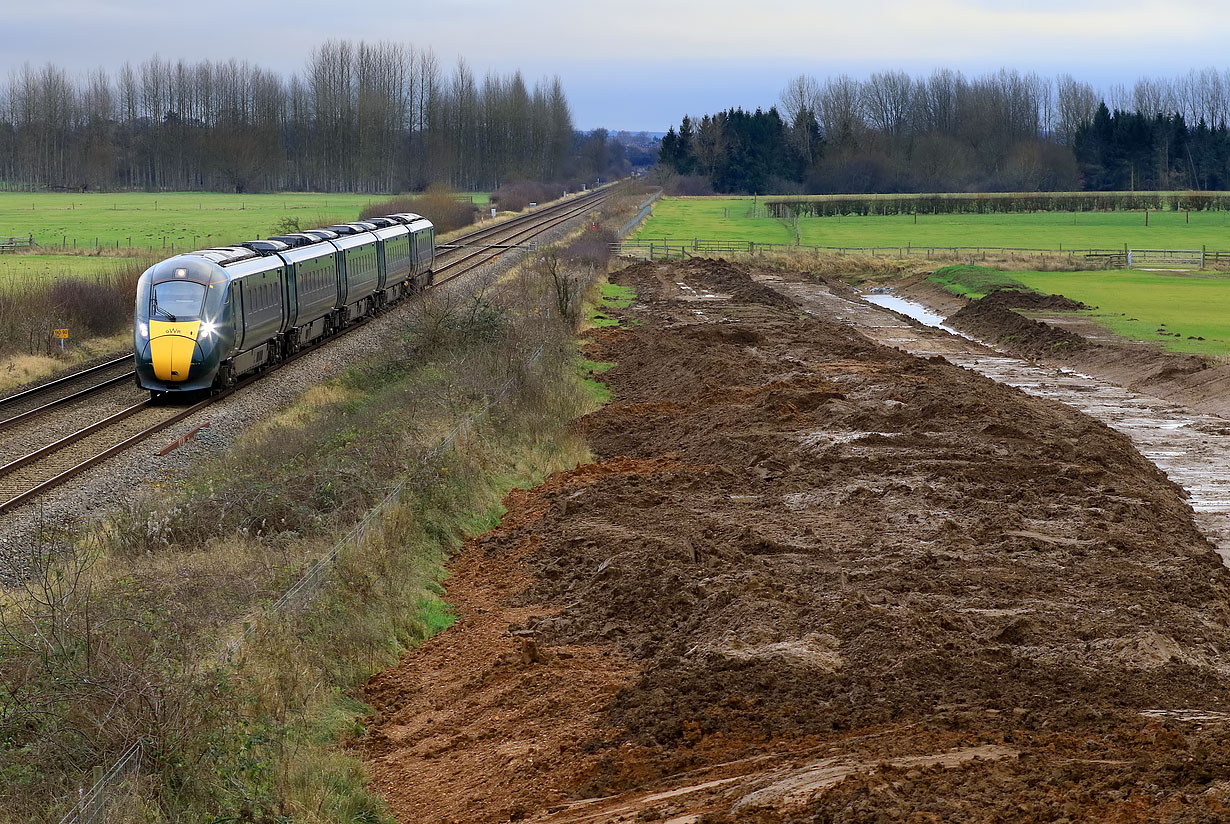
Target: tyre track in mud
812,578
1192,448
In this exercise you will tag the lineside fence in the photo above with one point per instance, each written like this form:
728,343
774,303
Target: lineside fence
643,211
92,804
1122,258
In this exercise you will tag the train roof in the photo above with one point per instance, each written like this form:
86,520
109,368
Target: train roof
343,229
265,247
321,234
414,221
295,240
391,231
225,255
355,241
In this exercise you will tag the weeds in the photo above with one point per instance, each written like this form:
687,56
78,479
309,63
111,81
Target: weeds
517,197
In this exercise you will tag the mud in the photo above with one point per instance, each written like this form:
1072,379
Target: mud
1032,301
814,578
993,320
1054,335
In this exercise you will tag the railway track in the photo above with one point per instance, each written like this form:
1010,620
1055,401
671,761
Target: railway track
40,399
30,471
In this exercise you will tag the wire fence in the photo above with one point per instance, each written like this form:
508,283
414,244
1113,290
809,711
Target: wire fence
94,804
643,211
676,248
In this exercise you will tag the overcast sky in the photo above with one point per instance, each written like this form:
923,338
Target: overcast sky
640,64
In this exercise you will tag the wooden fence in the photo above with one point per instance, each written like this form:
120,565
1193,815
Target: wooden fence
658,248
12,244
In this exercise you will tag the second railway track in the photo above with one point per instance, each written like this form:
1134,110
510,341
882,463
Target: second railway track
31,465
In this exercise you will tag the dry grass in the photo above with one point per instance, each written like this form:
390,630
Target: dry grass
19,369
438,204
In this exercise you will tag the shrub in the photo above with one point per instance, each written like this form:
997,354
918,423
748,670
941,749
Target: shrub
91,307
593,247
517,197
438,204
87,306
688,186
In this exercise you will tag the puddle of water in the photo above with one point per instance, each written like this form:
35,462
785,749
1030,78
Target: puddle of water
908,308
913,310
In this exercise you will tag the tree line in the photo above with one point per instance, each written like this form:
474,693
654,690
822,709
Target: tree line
1003,131
358,117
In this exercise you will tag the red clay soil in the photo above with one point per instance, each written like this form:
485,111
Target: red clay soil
812,579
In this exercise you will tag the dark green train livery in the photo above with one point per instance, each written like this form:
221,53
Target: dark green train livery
207,318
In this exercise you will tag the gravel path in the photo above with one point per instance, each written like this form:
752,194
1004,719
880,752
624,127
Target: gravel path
92,495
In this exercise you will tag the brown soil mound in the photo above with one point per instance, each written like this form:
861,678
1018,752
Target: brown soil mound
816,579
992,320
1033,301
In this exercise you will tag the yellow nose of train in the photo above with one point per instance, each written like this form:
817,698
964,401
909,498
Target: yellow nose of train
171,346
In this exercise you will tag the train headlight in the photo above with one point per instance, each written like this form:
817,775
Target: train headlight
143,329
208,328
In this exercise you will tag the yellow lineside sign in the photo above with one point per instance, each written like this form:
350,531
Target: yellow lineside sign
59,334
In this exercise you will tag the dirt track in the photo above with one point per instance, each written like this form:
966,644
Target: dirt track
812,578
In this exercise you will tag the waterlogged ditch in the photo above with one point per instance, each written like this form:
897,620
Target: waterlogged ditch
1193,449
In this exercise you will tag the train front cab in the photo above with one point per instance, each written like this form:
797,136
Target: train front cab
182,330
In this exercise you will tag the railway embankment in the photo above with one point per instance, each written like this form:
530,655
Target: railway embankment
136,624
814,578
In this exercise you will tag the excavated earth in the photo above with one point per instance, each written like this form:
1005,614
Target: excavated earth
809,578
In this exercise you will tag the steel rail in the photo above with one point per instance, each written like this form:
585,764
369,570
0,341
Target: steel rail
547,222
538,222
89,390
43,387
68,440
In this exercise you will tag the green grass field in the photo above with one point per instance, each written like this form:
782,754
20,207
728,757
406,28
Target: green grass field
185,219
147,224
1173,309
725,218
21,268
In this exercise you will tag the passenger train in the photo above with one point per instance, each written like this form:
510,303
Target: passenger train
207,318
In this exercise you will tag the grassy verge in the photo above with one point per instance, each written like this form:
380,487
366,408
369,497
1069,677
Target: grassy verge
121,631
612,296
973,281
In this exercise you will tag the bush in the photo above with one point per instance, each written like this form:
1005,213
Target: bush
688,186
517,197
438,204
593,247
91,307
88,306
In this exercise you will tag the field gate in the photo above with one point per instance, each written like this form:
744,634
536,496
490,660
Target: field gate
1165,258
